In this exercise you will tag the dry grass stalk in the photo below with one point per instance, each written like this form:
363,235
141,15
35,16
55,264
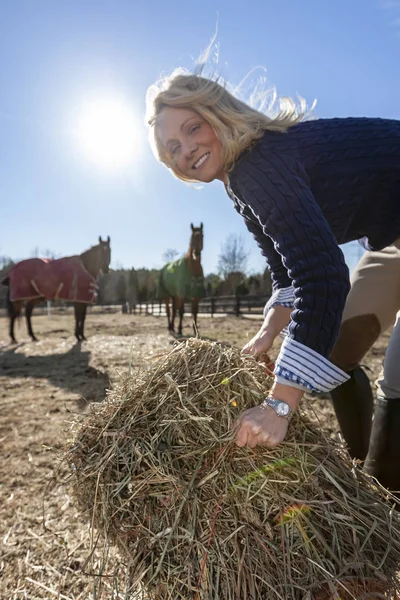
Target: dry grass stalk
198,518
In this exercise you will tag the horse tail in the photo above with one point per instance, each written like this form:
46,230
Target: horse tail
6,281
12,312
162,291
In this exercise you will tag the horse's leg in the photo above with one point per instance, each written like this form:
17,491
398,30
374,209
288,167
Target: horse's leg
167,310
82,323
181,304
12,321
14,311
174,308
195,310
10,311
28,314
77,320
80,314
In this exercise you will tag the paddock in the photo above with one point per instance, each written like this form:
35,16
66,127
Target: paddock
45,543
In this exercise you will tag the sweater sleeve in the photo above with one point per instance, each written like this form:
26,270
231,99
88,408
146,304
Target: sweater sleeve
279,274
276,190
283,292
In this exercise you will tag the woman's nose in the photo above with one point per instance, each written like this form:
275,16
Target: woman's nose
189,148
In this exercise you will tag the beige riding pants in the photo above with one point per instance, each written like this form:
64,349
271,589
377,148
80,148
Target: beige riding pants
375,289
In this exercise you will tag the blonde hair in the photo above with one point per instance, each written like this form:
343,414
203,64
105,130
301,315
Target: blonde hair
236,124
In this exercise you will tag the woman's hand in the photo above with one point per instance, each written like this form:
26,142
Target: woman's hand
260,344
260,426
277,318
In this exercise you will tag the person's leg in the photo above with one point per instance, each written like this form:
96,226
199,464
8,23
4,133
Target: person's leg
370,309
383,459
353,400
389,381
353,403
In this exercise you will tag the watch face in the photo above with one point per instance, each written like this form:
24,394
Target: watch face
282,409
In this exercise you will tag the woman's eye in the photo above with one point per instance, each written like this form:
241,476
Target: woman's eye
174,149
194,128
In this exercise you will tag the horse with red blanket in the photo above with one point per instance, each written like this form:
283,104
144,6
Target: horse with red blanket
72,278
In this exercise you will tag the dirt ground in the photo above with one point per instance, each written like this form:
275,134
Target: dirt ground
45,543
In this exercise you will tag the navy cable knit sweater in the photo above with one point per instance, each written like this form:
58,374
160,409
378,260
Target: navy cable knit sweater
301,193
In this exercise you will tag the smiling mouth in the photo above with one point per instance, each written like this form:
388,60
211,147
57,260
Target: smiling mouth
201,160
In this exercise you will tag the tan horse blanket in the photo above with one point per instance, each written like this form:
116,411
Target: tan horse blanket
61,279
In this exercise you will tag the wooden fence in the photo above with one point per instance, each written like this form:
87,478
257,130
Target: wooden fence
213,305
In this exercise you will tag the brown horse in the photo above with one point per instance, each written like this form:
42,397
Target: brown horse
183,280
71,278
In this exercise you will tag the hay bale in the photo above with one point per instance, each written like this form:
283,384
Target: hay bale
197,517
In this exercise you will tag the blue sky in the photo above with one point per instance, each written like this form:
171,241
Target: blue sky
56,58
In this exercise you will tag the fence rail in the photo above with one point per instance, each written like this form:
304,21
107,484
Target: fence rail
213,305
230,305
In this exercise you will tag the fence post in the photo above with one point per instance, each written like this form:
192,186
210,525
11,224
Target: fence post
237,306
212,305
159,308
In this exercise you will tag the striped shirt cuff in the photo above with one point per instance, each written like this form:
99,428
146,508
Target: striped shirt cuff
301,367
283,297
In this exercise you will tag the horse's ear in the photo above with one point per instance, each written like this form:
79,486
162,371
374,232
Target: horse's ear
108,239
99,239
201,227
191,226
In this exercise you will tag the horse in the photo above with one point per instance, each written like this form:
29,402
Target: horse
183,279
72,278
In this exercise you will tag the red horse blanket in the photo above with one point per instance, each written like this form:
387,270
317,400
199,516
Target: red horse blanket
62,279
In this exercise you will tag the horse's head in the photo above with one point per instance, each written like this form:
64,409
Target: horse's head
97,259
104,254
196,241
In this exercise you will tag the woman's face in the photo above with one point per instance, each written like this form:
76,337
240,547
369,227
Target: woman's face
191,143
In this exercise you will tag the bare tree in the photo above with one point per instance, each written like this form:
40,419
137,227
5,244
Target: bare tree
170,254
47,253
5,262
233,256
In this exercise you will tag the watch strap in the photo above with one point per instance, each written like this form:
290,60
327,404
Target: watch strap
275,403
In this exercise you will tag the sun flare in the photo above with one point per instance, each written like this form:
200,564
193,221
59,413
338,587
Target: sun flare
107,132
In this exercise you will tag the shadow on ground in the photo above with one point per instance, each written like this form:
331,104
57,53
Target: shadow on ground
69,370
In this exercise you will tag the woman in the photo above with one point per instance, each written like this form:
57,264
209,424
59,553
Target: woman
302,187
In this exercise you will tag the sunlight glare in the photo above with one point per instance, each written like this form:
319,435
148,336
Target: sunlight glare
107,132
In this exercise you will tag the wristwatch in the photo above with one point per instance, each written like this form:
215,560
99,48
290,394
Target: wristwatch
281,408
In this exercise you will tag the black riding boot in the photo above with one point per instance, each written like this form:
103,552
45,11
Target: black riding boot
353,403
383,460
